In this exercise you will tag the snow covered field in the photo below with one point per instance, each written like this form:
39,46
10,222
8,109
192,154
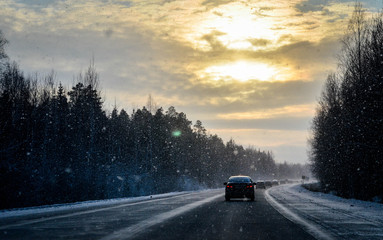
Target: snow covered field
326,216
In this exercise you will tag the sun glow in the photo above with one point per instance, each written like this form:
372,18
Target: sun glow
241,71
236,27
241,30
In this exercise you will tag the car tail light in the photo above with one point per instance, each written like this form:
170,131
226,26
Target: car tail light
229,186
249,186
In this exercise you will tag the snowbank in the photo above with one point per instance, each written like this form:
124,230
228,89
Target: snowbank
81,205
326,216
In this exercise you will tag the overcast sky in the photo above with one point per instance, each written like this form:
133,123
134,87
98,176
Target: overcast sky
250,70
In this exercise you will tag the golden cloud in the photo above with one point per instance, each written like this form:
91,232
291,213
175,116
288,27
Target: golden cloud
305,110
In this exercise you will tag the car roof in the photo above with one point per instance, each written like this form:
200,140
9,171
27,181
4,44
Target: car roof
239,176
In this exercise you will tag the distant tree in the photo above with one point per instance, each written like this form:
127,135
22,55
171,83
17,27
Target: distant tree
87,130
14,135
327,140
60,147
3,43
151,105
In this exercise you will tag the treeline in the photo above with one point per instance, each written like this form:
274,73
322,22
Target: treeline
347,143
60,146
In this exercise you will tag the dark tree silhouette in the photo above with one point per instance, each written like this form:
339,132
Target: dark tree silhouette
347,146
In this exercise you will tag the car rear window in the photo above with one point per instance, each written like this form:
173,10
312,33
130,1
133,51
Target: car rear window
239,180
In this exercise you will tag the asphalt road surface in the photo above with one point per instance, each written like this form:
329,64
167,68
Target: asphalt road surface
199,215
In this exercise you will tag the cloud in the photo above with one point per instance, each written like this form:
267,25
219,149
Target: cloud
37,3
307,52
259,42
306,110
127,55
131,56
311,6
261,11
212,40
108,32
215,3
237,97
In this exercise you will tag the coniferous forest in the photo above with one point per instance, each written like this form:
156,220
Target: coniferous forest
59,145
347,143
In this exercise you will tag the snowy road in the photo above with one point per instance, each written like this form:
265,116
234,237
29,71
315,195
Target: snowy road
192,215
282,212
326,216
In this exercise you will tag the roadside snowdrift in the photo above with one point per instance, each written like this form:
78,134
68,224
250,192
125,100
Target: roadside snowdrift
326,216
81,206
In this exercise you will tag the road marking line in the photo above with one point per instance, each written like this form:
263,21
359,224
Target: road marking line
27,222
310,228
131,231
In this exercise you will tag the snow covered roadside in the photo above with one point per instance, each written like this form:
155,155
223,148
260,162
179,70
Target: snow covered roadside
326,216
82,205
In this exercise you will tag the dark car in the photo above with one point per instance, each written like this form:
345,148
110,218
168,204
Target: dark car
268,184
275,182
261,184
239,187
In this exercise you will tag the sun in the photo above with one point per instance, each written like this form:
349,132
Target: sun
237,26
240,30
241,71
